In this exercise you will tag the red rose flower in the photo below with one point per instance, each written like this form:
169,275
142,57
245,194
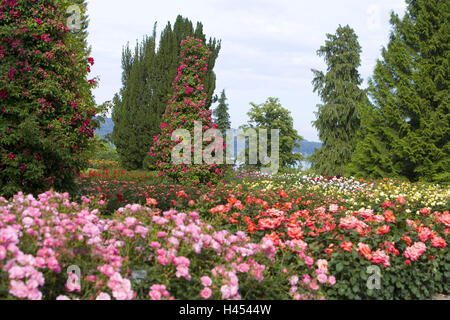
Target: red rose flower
4,94
383,230
189,90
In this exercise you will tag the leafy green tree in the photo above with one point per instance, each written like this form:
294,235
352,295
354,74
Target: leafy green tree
100,149
271,115
46,103
406,130
338,118
221,115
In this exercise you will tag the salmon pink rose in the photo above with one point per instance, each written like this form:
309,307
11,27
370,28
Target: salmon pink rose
347,246
364,250
383,230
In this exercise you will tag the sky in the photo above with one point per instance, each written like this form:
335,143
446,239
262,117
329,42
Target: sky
268,46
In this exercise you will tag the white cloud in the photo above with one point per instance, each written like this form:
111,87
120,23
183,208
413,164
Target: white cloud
268,46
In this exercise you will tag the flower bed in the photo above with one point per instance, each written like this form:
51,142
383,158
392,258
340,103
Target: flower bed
316,238
180,256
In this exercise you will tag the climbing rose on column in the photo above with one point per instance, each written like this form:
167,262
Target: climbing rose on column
186,107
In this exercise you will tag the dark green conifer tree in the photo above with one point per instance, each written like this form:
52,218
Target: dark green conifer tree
338,120
406,131
132,113
221,115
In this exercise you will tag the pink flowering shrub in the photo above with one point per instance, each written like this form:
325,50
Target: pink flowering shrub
188,105
181,256
46,105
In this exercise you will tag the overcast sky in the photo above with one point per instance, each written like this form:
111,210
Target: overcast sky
268,46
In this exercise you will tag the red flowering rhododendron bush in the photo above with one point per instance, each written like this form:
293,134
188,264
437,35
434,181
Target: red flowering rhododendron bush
46,105
43,238
185,108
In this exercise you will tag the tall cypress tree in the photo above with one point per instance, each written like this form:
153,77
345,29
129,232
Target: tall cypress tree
132,113
407,128
338,117
119,115
210,77
221,115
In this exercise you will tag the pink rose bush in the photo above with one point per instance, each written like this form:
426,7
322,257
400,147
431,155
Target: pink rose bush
183,256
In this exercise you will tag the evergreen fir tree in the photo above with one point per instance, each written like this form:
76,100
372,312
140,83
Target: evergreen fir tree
338,120
407,128
221,115
120,116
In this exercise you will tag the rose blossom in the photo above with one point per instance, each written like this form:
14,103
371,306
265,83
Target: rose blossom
103,296
243,268
322,278
206,281
2,252
415,251
206,293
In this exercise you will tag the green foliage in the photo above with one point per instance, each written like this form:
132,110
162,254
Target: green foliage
100,149
221,115
46,105
135,120
146,88
417,281
271,115
82,32
406,130
338,120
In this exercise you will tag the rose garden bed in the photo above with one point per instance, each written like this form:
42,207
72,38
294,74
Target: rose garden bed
286,237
